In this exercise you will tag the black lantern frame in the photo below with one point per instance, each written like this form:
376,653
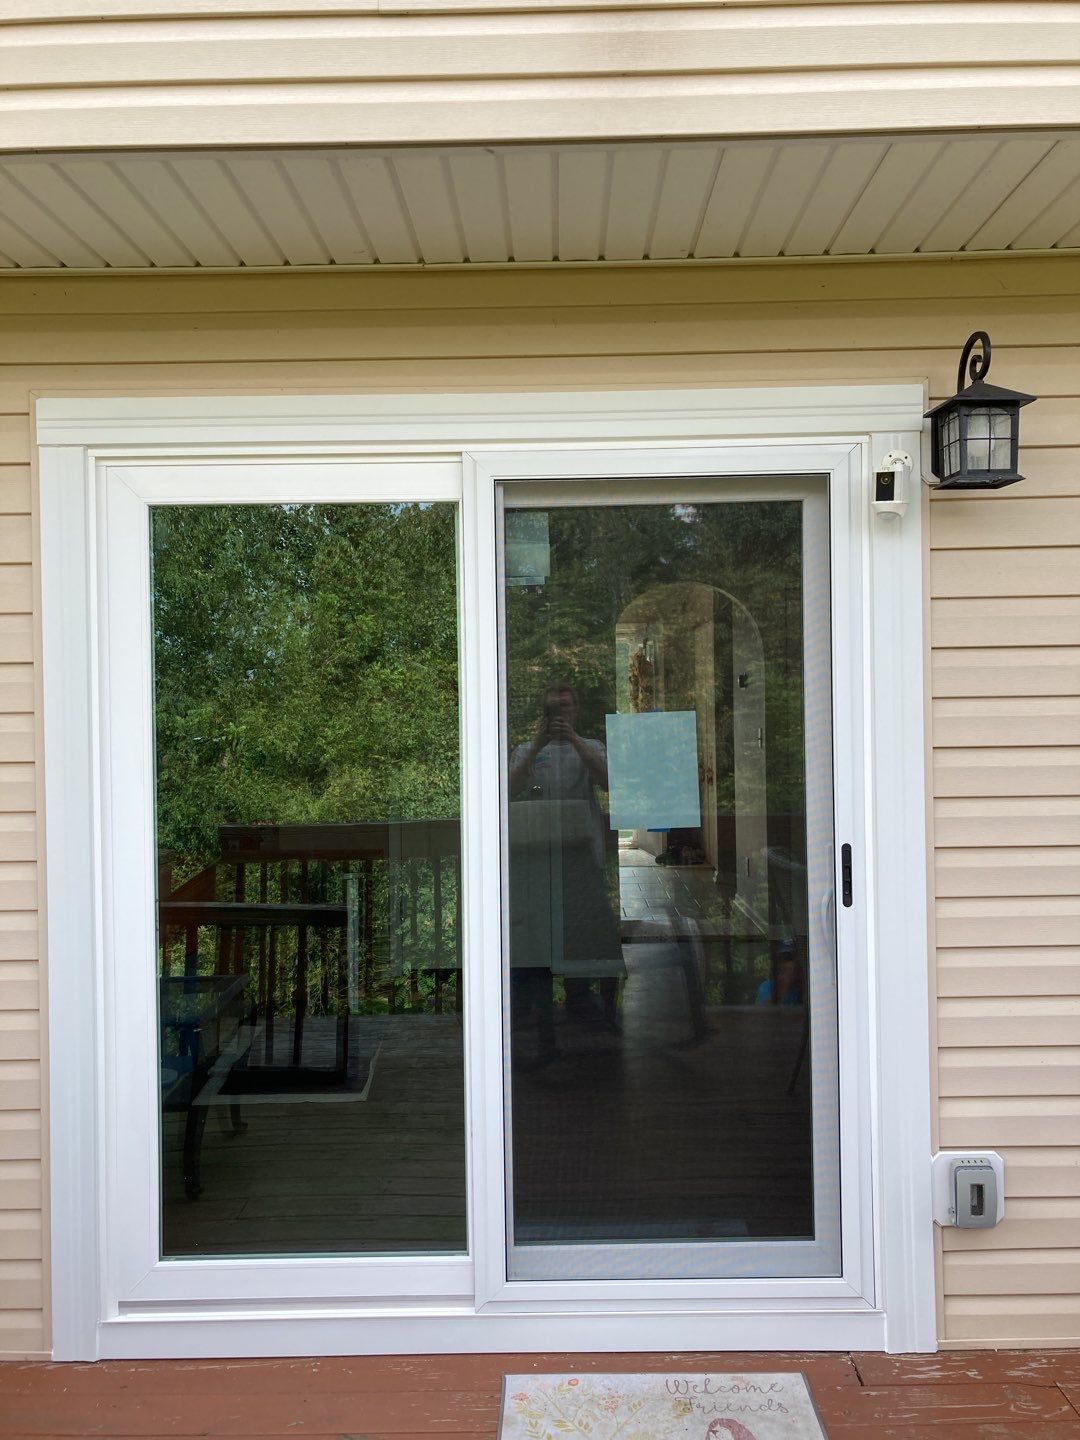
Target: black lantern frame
975,436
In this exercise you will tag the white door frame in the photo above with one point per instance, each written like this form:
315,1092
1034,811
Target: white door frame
79,439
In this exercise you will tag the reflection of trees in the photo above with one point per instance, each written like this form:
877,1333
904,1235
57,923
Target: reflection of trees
602,557
305,661
306,655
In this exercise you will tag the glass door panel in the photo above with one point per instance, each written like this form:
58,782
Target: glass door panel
305,666
668,861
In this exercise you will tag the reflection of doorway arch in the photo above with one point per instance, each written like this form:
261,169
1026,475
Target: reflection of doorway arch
701,650
728,1430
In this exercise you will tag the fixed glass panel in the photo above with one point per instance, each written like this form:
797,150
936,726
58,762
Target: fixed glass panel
668,842
305,664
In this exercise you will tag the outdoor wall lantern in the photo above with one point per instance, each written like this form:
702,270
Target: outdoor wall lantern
975,436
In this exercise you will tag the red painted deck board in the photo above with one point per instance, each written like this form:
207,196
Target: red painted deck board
983,1395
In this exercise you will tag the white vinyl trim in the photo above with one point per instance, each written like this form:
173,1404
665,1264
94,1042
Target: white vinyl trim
404,424
247,448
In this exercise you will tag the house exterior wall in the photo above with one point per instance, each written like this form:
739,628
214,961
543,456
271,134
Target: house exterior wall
1003,575
85,74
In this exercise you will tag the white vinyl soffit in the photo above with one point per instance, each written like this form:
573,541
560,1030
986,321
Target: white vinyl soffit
702,200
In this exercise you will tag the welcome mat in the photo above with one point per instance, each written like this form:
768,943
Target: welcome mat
658,1407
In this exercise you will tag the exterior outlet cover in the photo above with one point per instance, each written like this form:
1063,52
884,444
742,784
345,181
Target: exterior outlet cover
975,1188
968,1188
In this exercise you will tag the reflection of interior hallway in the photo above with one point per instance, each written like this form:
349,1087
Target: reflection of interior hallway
690,906
650,891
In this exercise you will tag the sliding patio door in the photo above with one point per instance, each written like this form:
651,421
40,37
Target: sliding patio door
670,962
469,849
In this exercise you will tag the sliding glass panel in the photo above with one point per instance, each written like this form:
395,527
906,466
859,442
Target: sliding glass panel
668,838
306,710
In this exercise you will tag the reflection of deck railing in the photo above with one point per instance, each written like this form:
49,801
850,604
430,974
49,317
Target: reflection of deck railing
324,920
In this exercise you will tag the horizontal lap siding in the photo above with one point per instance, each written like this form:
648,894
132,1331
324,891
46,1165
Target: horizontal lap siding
1005,627
21,1213
1004,577
143,74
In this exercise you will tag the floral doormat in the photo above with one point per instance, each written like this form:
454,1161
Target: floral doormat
658,1407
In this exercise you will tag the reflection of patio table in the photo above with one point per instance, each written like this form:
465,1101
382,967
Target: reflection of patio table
192,1009
190,913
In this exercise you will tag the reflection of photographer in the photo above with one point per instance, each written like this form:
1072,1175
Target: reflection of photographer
562,771
559,776
562,921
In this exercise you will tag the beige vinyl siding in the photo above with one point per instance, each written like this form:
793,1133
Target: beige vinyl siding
12,11
389,46
1004,581
1006,729
21,1199
76,74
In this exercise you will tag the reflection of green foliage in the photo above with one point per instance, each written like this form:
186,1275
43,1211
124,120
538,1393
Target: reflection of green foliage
784,779
602,558
306,655
564,630
305,665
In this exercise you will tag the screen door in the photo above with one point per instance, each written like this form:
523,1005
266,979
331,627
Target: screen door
670,1018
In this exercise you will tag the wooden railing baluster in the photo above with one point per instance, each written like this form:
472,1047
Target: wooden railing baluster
437,955
300,992
296,969
239,895
262,982
366,893
271,998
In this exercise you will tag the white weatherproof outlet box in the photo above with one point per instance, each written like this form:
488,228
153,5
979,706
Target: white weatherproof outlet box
944,1168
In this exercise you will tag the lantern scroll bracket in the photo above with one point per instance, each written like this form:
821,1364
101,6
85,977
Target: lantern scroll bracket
974,367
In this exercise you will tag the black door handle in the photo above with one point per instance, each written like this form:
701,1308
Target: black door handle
845,874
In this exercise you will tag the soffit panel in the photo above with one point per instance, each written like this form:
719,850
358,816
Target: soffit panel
497,205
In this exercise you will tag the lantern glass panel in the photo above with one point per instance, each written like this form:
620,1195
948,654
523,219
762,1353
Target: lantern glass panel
950,444
989,444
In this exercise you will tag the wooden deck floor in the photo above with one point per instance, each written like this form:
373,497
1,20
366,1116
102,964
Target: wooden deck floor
607,1137
953,1396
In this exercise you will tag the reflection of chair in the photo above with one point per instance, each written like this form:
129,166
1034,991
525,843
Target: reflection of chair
683,951
692,963
196,1013
783,872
